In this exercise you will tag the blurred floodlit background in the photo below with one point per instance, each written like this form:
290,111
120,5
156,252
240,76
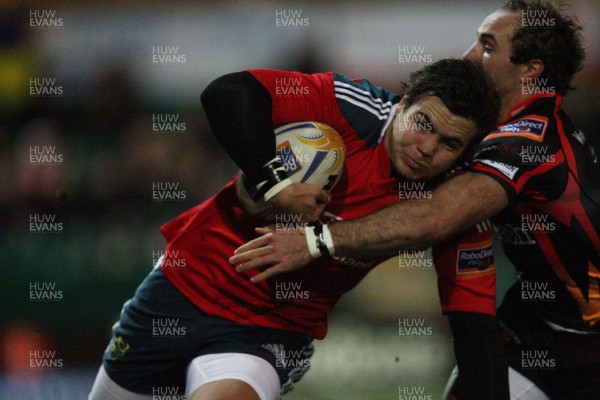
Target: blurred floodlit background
80,90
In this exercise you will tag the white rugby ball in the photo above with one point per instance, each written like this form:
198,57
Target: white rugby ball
312,152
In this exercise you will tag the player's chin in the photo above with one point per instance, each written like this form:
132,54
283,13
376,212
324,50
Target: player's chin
414,174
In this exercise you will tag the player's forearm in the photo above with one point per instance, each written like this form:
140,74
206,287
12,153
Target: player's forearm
456,205
482,365
384,232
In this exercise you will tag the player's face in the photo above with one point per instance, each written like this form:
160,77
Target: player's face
493,49
426,138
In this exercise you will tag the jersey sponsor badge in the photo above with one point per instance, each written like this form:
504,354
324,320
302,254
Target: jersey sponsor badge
505,169
475,260
531,127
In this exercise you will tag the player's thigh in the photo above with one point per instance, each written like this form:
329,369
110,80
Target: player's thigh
232,376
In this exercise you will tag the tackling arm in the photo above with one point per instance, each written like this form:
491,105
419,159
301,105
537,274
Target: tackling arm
456,205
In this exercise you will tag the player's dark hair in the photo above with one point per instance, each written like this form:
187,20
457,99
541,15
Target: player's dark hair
554,38
464,88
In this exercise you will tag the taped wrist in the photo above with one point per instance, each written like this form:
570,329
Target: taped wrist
319,241
272,180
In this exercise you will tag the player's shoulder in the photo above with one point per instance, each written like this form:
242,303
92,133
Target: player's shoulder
361,87
291,79
534,119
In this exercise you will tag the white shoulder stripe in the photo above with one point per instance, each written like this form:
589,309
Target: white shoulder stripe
381,109
345,87
364,106
484,226
362,95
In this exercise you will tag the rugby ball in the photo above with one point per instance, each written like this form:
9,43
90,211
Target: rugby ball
312,152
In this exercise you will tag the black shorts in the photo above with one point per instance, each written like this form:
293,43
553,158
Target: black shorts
160,331
566,366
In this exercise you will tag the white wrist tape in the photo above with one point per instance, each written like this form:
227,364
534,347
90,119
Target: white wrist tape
277,188
311,241
328,240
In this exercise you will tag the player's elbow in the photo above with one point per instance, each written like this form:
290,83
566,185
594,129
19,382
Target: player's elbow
218,99
214,92
228,89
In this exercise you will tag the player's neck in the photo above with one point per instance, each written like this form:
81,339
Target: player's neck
509,101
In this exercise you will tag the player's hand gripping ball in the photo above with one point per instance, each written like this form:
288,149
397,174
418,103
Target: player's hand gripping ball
312,152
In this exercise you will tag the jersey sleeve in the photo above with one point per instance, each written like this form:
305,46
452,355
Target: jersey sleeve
297,97
238,110
466,271
367,107
521,158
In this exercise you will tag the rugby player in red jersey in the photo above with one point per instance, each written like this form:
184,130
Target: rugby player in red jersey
538,177
240,341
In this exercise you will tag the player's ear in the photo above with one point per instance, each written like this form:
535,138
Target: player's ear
401,104
533,68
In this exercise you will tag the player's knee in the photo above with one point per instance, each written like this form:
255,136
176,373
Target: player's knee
226,389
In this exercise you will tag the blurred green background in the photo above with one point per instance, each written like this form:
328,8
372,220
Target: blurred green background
103,92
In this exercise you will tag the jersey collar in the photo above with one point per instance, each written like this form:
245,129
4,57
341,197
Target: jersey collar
515,110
